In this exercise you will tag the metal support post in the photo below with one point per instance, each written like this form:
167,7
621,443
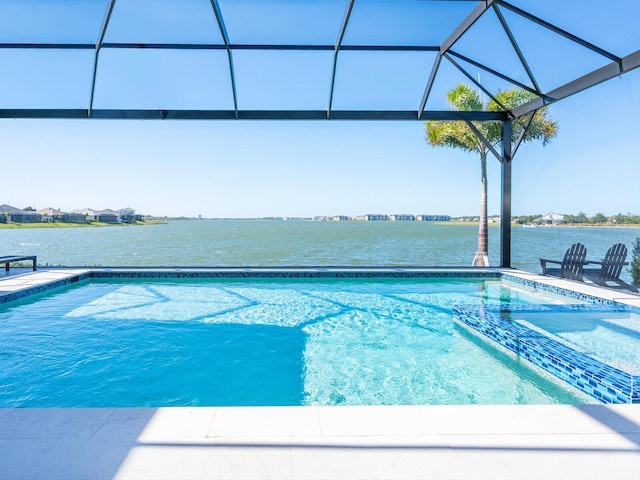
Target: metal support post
505,215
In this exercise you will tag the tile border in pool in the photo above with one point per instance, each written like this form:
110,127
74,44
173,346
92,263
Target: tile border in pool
589,375
36,287
536,284
299,272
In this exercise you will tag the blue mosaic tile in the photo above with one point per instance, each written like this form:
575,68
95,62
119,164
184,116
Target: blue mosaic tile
303,273
597,379
562,291
30,291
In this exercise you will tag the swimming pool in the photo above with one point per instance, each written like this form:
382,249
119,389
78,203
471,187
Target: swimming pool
271,339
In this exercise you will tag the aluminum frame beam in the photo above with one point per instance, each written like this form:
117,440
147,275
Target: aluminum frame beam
559,31
465,25
429,86
225,38
493,72
612,70
523,133
484,140
516,48
98,46
343,29
474,81
221,46
361,115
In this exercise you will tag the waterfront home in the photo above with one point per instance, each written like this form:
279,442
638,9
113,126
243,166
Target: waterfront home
108,216
11,214
553,219
105,216
50,214
128,215
89,214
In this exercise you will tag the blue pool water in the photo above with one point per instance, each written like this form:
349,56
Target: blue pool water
262,342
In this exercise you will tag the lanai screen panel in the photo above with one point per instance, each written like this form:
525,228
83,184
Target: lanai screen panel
291,59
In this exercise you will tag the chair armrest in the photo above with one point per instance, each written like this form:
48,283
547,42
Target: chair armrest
601,262
544,261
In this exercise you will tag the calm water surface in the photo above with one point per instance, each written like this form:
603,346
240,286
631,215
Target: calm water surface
292,243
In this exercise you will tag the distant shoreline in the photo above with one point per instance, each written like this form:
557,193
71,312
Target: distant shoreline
11,226
588,225
564,225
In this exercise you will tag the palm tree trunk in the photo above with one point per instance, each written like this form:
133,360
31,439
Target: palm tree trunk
482,255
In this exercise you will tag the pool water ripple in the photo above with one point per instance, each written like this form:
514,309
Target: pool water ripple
259,342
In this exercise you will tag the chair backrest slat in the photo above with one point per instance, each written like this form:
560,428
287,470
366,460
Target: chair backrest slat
573,262
613,261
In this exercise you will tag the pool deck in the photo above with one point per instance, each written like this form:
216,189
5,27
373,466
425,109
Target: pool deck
392,442
398,442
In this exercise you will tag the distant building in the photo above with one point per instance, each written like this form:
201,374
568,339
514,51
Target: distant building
108,216
402,218
9,213
51,214
433,218
74,217
376,217
54,215
16,215
104,216
340,218
128,215
90,215
553,219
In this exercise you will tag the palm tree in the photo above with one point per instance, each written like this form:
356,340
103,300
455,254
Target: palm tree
458,134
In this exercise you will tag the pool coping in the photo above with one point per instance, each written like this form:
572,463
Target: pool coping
400,442
396,442
24,283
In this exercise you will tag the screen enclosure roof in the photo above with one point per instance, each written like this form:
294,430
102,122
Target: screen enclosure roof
303,60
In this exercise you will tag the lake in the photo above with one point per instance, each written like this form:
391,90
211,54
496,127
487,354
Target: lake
300,243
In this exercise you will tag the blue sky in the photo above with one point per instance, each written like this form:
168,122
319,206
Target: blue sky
255,169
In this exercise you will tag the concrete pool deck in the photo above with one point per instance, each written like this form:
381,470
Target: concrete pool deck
417,442
391,442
